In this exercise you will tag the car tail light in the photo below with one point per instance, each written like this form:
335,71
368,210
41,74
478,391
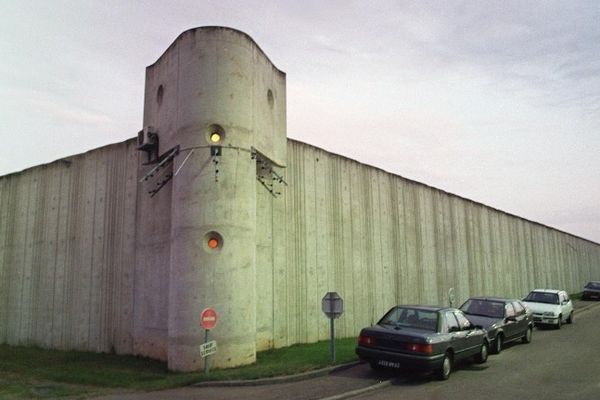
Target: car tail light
419,348
366,340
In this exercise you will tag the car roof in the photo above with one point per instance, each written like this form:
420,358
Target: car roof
499,299
555,291
424,308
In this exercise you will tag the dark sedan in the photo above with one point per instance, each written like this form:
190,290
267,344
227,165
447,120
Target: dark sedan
423,338
504,319
591,291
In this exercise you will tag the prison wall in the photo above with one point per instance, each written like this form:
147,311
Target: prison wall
67,252
91,260
379,240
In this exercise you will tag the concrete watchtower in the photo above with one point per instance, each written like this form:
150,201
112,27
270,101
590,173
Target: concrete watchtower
214,86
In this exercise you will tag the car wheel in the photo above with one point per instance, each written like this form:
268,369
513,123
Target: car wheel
446,367
483,353
498,343
527,337
570,319
559,323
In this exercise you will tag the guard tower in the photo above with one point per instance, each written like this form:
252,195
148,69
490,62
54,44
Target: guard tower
214,129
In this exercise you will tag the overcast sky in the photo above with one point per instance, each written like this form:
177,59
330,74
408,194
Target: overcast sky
496,101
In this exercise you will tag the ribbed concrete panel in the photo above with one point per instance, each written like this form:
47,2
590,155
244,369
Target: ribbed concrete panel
379,239
64,247
4,283
265,272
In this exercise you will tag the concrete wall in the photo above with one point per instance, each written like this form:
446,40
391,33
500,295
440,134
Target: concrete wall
379,240
67,252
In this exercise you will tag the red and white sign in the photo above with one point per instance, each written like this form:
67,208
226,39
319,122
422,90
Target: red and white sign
208,318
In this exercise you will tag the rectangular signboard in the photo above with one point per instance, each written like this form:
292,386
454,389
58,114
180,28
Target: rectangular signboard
208,348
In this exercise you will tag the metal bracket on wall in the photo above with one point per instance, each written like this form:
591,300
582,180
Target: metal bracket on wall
266,174
159,171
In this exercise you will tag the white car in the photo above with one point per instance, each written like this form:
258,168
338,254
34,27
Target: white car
550,307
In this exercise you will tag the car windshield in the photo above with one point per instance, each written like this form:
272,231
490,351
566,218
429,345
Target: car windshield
541,297
484,308
407,317
593,285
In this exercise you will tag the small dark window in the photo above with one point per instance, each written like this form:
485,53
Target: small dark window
160,94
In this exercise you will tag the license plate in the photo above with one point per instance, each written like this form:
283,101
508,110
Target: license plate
388,364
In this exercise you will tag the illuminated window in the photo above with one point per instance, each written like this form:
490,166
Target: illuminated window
213,241
215,137
215,134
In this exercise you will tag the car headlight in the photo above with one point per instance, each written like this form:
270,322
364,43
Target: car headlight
548,314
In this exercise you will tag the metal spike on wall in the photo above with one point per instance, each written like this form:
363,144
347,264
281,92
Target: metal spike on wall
164,160
266,174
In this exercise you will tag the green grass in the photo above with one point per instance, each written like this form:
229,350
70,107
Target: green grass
576,296
31,372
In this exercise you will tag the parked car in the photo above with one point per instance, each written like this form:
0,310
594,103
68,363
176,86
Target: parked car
591,290
503,319
550,307
422,338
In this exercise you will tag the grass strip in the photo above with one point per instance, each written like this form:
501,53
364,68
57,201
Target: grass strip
32,371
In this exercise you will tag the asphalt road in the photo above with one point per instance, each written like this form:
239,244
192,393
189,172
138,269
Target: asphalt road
557,364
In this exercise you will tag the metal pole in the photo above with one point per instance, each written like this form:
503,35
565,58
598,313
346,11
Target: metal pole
206,364
332,343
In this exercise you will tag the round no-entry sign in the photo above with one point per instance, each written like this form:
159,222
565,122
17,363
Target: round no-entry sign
208,318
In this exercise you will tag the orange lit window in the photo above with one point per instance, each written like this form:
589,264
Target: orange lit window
213,243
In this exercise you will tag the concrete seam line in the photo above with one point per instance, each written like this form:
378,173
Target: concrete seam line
357,392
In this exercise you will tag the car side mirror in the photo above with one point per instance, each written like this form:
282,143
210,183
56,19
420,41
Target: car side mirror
454,329
511,319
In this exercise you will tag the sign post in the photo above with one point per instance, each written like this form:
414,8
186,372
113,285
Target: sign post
208,320
452,296
333,307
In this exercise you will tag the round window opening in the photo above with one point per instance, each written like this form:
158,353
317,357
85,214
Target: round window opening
213,241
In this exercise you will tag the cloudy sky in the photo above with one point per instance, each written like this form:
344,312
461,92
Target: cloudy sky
496,101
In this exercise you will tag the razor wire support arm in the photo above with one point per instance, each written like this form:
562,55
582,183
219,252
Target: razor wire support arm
267,175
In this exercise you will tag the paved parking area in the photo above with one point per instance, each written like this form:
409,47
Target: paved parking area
492,376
